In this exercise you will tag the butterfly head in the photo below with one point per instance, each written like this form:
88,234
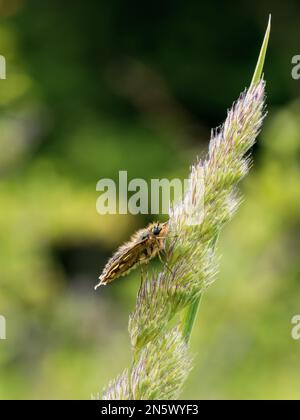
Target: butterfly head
159,229
156,229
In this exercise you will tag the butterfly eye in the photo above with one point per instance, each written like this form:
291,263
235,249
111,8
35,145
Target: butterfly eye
156,230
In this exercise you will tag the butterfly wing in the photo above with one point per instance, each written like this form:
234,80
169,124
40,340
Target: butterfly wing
123,261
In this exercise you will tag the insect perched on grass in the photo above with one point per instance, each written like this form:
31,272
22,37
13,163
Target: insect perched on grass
144,245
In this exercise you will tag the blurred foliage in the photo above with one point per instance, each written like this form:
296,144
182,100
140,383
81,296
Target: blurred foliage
94,88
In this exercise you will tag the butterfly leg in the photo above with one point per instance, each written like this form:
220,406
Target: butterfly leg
143,274
164,262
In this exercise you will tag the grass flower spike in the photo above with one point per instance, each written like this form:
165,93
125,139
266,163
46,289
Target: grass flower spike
160,360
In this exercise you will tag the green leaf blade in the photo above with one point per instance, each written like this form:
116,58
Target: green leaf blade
262,55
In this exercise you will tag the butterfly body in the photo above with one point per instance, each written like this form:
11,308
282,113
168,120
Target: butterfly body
144,245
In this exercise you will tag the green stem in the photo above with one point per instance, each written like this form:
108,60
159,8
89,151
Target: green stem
192,311
189,319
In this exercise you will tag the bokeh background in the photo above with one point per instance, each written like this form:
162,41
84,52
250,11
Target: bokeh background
97,87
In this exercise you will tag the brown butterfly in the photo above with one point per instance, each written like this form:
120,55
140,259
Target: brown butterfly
144,245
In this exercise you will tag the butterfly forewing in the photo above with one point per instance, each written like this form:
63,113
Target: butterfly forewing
143,246
125,262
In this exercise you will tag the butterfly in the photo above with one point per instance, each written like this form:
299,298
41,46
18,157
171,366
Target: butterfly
144,245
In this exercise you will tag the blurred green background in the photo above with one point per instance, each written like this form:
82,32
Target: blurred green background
97,87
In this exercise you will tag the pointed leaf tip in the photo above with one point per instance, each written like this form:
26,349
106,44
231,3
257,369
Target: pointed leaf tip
262,55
